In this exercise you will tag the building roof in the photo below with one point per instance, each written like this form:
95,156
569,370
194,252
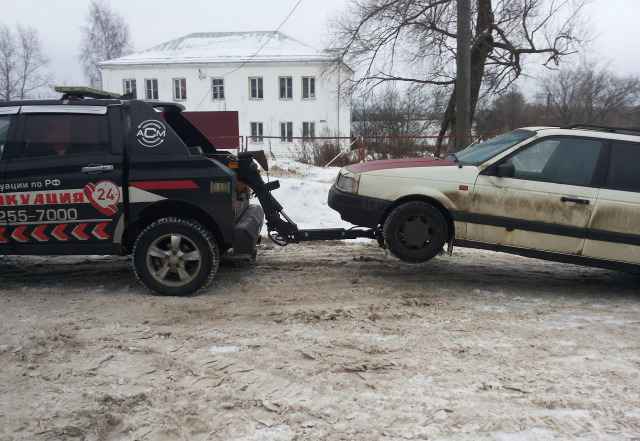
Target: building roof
226,47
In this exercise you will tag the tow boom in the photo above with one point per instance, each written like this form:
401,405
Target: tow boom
282,229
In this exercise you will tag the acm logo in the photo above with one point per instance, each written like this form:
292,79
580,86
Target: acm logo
151,133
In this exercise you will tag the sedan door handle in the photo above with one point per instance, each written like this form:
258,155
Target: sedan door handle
91,169
575,200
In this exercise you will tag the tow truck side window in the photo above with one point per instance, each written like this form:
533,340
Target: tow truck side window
57,135
5,123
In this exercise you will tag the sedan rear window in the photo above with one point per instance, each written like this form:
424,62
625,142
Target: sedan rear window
476,154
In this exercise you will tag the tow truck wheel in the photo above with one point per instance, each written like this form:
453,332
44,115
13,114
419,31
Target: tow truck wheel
415,231
175,257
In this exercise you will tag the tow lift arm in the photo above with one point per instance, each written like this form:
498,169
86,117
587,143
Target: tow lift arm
283,230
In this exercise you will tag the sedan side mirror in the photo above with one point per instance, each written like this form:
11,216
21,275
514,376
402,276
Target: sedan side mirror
506,170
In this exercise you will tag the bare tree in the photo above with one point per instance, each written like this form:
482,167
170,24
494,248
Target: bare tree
591,95
508,111
392,112
106,36
8,59
393,120
415,41
22,63
585,95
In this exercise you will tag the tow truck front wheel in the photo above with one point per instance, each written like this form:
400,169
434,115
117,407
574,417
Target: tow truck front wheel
175,257
415,231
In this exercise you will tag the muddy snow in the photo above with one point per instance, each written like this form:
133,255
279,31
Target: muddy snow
326,342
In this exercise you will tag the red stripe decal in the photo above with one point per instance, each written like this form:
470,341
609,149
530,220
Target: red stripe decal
166,185
79,233
99,232
38,233
59,234
18,234
2,238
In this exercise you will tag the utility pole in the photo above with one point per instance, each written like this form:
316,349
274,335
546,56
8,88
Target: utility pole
463,76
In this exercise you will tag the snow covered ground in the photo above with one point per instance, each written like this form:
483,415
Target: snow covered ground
330,341
303,193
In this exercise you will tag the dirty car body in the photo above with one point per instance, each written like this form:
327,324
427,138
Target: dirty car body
565,194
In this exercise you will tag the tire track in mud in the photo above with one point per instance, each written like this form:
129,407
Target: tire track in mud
326,341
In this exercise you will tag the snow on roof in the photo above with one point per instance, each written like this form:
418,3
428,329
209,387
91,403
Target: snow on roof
226,47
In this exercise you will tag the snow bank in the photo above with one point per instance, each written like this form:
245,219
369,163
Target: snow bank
303,193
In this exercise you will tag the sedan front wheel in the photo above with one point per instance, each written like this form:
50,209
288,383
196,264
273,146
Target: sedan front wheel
415,231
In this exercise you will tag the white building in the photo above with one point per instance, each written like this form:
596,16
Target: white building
279,86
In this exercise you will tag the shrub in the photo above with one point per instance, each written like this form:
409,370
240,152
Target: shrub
321,154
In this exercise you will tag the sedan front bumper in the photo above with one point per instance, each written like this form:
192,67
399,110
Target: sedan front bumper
359,210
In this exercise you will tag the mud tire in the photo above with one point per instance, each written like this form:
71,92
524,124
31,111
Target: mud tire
197,236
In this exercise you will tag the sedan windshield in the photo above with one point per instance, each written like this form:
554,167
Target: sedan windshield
476,154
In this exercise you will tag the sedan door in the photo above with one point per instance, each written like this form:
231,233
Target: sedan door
538,198
614,230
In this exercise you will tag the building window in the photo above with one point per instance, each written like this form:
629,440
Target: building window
286,131
151,89
286,88
308,129
255,88
217,88
179,89
308,88
129,88
256,132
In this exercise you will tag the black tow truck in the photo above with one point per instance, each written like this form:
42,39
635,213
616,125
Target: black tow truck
95,173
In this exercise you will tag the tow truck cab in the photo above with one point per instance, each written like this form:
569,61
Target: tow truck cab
96,174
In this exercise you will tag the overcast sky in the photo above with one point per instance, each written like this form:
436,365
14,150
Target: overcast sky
615,25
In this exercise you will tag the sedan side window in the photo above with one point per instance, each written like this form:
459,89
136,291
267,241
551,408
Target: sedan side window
624,170
531,162
569,161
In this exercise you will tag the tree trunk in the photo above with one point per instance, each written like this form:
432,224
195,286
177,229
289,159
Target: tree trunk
480,50
448,121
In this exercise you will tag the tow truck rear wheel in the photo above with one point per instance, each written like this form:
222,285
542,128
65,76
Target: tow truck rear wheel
415,231
175,257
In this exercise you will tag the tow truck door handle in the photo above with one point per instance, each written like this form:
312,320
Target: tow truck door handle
575,200
95,169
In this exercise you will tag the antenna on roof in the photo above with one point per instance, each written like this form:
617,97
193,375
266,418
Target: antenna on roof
70,92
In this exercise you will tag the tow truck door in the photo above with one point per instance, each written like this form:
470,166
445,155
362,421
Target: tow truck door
63,180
